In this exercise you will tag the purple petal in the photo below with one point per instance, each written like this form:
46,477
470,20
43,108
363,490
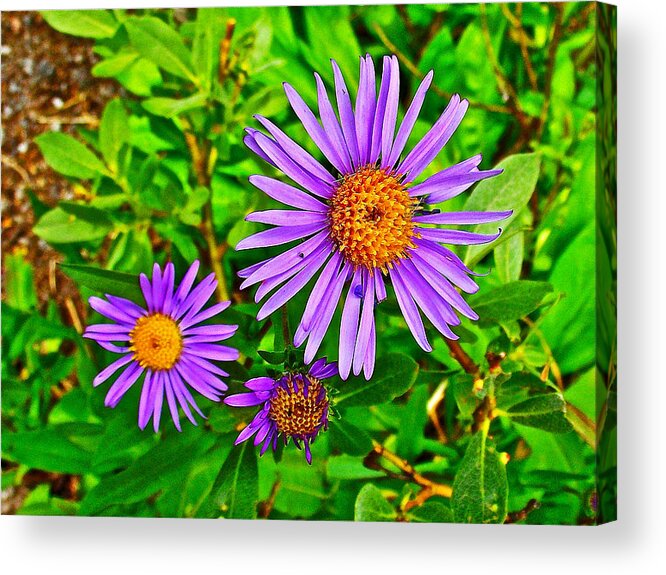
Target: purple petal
442,286
462,218
286,260
99,328
186,284
391,112
446,184
212,311
146,401
436,138
287,194
251,143
260,384
366,323
369,363
167,288
216,352
409,120
277,236
437,310
325,315
203,364
129,307
171,401
293,286
447,263
122,384
457,237
243,400
365,108
346,114
147,290
380,110
293,170
332,127
157,291
296,152
107,372
287,217
322,285
349,326
409,310
112,312
313,128
159,399
196,299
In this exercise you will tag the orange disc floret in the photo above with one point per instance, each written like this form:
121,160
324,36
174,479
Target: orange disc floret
299,410
156,342
371,218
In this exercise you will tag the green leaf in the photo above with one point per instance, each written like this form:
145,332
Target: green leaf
480,489
113,132
371,506
574,275
84,23
54,449
509,257
510,301
171,107
73,223
547,412
348,438
105,281
165,464
236,489
69,156
511,190
430,512
272,357
394,375
161,44
348,467
412,423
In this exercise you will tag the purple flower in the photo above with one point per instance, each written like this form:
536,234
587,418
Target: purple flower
293,406
164,342
361,220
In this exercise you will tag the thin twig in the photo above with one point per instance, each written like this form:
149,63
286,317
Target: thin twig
215,251
516,22
429,488
465,361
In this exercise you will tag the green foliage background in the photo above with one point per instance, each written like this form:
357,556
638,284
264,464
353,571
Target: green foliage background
513,426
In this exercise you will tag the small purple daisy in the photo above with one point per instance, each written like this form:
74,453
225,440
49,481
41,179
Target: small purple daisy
361,218
164,341
294,406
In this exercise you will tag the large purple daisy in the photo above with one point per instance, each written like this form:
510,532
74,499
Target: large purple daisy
294,406
361,218
165,342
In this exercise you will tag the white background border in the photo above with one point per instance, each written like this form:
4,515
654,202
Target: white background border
635,542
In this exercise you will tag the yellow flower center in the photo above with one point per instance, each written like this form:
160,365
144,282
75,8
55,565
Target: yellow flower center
371,218
296,414
156,342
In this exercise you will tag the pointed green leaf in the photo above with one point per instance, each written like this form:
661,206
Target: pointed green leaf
394,375
480,489
73,223
69,156
510,301
510,190
547,412
430,512
236,490
105,281
84,23
158,42
113,132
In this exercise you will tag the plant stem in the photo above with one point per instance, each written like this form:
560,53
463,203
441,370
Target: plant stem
429,488
460,355
285,326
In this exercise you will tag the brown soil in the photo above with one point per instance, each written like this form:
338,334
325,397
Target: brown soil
46,85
